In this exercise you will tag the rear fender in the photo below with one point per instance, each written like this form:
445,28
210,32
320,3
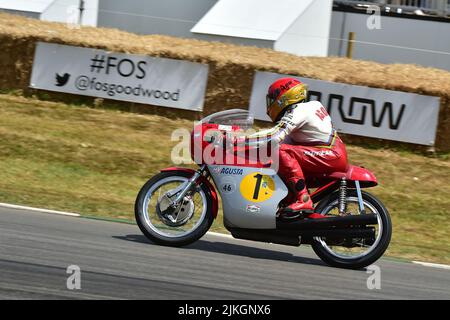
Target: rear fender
365,177
210,186
332,182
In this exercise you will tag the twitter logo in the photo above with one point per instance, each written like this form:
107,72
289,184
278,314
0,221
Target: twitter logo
61,81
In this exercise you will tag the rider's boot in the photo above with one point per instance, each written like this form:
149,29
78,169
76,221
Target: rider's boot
303,203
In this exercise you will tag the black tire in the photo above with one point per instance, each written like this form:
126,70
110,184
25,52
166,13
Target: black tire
371,257
172,241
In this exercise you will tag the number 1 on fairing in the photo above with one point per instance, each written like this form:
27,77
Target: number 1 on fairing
257,186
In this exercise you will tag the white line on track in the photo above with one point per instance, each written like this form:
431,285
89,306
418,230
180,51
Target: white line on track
223,235
13,206
433,265
71,214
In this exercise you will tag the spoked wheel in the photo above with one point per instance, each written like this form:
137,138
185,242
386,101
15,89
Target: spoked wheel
178,226
354,253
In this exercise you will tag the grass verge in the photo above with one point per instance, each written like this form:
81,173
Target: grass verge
94,162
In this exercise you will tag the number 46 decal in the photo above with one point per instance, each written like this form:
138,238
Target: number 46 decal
256,187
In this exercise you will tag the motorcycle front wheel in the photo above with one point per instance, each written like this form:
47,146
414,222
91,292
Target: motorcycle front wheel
185,225
354,253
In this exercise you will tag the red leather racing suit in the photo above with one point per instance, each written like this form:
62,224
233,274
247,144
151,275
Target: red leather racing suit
308,142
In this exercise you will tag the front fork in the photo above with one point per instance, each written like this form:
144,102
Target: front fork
186,187
343,197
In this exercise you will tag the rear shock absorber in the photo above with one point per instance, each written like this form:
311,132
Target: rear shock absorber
343,197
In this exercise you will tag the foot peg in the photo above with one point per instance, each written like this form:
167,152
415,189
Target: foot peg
289,213
290,210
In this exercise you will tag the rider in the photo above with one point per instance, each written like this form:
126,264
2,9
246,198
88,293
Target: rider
308,141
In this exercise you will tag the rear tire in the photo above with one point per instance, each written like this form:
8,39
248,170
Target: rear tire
372,256
175,241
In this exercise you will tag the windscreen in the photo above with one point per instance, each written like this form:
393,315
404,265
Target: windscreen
234,117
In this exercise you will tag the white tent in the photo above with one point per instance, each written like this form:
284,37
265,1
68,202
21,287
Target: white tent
296,26
53,10
25,5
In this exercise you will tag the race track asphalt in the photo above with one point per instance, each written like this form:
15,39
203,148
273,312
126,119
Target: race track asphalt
118,262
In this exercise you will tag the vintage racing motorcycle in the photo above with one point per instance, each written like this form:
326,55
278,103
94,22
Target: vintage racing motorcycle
178,205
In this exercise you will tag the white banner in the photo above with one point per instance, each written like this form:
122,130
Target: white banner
118,76
363,111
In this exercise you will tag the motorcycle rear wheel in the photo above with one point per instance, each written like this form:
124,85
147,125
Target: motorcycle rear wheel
161,231
374,252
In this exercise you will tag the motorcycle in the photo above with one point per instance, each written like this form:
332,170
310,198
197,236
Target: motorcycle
176,207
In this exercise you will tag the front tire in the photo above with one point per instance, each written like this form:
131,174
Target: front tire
159,231
371,203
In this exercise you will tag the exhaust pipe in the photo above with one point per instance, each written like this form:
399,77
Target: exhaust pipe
367,233
327,223
296,237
